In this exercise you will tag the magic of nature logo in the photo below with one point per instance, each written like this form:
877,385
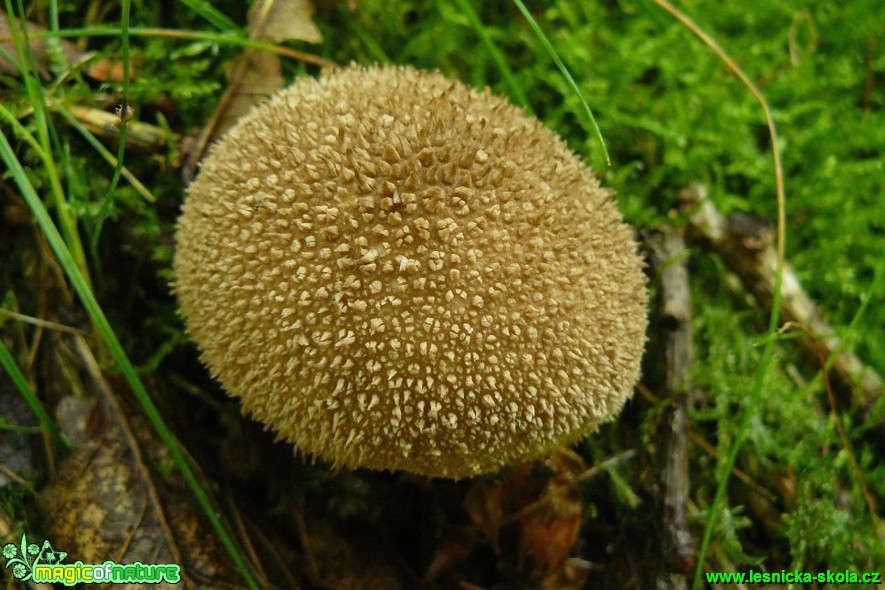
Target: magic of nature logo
43,564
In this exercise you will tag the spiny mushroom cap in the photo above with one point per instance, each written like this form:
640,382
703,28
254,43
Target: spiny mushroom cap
395,271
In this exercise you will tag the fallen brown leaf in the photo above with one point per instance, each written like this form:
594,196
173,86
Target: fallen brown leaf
549,527
286,20
104,70
255,75
107,502
39,48
260,79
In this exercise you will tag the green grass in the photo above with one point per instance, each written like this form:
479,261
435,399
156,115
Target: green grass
665,112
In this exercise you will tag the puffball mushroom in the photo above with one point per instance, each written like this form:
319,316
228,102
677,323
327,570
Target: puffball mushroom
394,271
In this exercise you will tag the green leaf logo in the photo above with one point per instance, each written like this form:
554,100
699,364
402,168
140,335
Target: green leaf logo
26,556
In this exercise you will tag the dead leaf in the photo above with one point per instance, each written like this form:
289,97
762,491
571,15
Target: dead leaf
255,75
39,49
483,506
106,502
284,20
454,548
111,70
261,79
353,560
104,70
549,527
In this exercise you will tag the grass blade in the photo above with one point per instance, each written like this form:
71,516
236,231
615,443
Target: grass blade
107,335
235,39
374,49
515,89
125,110
37,98
21,383
211,14
565,74
106,155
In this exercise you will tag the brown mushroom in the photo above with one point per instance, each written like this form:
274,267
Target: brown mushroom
395,271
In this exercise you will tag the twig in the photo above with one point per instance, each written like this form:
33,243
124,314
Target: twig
668,254
607,464
843,436
711,450
274,48
249,548
745,245
140,136
271,551
769,119
38,322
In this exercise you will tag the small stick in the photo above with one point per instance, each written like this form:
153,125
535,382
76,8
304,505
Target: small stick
668,258
746,246
139,136
711,450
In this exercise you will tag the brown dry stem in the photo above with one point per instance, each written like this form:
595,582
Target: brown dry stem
745,245
668,258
